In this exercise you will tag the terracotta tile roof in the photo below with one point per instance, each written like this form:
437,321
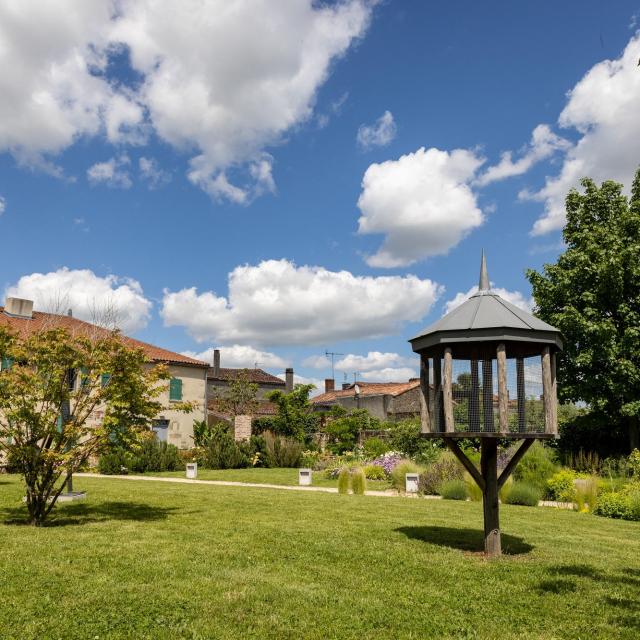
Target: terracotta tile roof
264,409
41,321
254,375
367,389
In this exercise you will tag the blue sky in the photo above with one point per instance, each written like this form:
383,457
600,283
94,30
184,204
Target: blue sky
204,173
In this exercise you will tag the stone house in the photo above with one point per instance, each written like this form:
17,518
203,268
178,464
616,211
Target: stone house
387,401
188,376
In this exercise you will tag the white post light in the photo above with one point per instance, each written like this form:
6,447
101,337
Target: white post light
411,482
192,470
304,477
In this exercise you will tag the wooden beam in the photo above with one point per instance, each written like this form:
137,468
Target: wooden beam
521,394
554,395
474,398
490,504
425,418
547,391
513,463
438,414
465,462
503,394
447,394
487,394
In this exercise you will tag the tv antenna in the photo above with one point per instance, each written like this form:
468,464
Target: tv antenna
332,356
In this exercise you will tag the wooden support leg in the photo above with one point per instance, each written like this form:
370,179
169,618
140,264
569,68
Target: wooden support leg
489,470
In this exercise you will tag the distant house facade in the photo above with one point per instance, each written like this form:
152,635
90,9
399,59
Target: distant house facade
188,375
388,401
220,378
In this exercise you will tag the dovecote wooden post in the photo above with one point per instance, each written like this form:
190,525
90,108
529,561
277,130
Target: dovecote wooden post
488,329
425,417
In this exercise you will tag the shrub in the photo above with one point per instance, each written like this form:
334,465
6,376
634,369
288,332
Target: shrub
445,468
537,466
634,463
453,490
523,493
388,461
115,462
358,481
344,480
404,436
154,455
473,490
374,447
282,451
374,472
222,451
399,471
623,504
561,486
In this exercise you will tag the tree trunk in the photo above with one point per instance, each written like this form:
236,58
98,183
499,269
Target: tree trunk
634,432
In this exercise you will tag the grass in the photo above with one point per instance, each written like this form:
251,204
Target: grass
267,476
156,560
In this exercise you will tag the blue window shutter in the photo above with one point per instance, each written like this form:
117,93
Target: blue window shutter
104,379
175,389
6,363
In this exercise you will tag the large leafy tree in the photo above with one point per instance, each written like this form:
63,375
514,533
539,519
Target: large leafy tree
295,416
592,294
65,398
240,397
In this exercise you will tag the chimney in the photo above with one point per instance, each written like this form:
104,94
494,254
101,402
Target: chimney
329,384
288,380
216,363
19,308
70,313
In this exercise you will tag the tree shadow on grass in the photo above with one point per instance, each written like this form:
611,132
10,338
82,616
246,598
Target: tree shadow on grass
471,540
82,513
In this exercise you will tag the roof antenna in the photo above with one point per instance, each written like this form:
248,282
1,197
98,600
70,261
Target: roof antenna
484,284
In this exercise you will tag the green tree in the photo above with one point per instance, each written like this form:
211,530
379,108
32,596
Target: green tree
592,294
51,384
295,417
343,427
240,397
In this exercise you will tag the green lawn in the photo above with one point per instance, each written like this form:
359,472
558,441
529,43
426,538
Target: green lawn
157,560
267,476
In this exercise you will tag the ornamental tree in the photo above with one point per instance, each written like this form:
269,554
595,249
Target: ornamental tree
592,294
52,383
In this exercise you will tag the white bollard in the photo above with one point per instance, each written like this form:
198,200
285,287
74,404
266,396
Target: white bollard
411,482
304,477
192,470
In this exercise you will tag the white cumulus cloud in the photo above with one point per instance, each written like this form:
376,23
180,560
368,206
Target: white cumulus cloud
379,134
603,109
422,202
90,297
544,143
514,297
355,362
3,205
278,303
389,374
239,356
112,173
152,174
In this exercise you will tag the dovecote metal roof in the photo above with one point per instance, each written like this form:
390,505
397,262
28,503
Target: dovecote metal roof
486,316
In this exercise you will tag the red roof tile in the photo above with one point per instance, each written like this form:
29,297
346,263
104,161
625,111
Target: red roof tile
367,389
42,321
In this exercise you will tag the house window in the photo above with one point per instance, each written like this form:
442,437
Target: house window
6,363
105,379
175,389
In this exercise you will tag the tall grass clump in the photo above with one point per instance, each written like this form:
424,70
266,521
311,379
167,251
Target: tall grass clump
586,494
400,470
537,466
473,490
344,480
445,468
282,451
523,493
358,481
453,490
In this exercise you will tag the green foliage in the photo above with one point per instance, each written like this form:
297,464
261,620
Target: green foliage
592,294
344,480
343,427
153,455
474,492
374,472
295,417
561,486
374,447
591,431
537,466
624,504
523,493
222,451
201,433
47,397
404,436
586,494
240,396
281,451
584,462
634,463
399,471
115,462
358,481
445,468
453,490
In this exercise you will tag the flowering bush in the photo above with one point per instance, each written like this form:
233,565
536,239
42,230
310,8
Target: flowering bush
446,468
388,461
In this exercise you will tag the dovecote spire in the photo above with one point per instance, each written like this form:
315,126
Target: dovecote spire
484,284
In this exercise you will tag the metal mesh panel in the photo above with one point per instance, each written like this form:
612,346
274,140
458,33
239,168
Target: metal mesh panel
476,405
